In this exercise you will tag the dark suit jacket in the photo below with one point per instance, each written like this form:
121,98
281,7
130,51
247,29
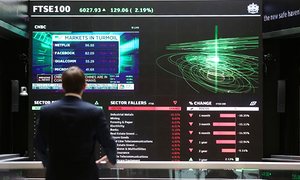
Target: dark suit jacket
67,132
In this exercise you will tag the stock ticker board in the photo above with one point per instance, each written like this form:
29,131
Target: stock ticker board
178,80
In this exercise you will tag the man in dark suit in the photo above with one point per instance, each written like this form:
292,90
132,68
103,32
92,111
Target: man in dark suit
68,130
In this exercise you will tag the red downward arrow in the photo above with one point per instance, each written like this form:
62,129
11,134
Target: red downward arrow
175,102
191,132
190,149
191,114
191,141
190,123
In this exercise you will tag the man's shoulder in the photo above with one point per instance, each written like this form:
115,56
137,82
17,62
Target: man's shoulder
89,108
78,103
51,105
88,105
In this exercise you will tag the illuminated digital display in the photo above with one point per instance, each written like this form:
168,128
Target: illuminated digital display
109,59
182,83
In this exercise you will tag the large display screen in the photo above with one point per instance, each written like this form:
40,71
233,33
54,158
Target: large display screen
178,80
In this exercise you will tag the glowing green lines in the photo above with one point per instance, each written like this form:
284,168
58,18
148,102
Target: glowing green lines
216,58
216,44
214,65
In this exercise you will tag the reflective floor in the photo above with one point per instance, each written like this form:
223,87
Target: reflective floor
159,174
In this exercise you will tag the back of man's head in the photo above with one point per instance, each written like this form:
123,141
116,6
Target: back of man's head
73,80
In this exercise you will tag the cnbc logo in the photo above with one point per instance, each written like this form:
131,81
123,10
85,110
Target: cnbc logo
253,8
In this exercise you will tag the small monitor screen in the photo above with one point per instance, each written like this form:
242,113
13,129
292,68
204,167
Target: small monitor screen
109,59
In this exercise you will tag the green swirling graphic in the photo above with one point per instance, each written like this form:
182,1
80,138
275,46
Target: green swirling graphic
214,65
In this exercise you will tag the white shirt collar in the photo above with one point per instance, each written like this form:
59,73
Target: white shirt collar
73,94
